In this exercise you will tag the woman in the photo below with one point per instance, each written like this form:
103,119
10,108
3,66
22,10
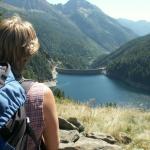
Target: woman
18,42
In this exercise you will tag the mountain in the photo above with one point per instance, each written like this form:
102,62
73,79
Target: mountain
131,62
29,4
73,38
95,24
141,27
58,36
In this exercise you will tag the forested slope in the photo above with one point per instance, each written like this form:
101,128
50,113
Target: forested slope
131,62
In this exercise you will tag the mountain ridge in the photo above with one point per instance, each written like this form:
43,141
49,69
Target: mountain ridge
63,38
30,4
103,29
140,27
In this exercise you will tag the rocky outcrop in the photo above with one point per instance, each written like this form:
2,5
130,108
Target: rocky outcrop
85,143
73,137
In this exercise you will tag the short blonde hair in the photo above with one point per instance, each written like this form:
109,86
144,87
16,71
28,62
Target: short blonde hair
18,40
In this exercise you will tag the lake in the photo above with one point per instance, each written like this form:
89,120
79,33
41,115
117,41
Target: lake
102,90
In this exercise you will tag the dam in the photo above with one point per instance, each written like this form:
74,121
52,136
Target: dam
81,71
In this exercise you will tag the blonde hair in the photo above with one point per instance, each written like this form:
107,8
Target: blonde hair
18,40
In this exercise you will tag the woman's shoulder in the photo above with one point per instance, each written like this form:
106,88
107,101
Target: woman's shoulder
41,88
38,86
48,96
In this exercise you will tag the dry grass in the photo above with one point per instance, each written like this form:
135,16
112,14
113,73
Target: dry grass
136,123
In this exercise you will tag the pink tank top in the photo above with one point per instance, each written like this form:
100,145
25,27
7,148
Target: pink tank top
34,110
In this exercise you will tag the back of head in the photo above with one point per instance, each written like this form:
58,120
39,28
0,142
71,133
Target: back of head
18,41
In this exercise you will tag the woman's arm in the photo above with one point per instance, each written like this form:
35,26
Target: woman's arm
50,133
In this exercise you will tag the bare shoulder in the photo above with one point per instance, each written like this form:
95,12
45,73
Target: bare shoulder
50,133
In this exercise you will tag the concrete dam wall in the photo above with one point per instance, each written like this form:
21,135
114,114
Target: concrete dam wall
81,71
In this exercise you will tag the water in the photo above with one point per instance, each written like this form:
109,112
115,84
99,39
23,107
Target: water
102,89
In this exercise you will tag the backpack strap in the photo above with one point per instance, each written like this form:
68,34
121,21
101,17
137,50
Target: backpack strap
14,130
26,84
31,133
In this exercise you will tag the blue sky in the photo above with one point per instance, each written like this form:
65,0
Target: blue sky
129,9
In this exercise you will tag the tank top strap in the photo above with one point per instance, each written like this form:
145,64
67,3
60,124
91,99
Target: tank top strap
34,110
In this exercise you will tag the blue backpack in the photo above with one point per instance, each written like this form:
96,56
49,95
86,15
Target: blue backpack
14,124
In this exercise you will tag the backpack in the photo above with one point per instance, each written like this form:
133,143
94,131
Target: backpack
14,129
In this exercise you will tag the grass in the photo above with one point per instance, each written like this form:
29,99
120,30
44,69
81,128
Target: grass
113,120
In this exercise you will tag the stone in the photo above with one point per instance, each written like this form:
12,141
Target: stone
124,138
69,136
95,144
69,146
85,143
77,123
66,125
102,136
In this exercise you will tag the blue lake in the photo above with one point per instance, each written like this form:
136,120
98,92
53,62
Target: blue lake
102,89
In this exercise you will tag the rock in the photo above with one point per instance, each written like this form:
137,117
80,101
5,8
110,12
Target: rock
77,123
69,146
69,136
125,139
85,143
65,125
95,144
71,139
102,136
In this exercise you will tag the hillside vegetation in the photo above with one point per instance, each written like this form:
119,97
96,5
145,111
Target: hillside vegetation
131,62
38,67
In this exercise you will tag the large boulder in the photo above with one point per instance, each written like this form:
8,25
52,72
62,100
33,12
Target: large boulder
66,125
69,136
77,123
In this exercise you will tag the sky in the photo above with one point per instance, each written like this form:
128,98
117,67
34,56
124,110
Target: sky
128,9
